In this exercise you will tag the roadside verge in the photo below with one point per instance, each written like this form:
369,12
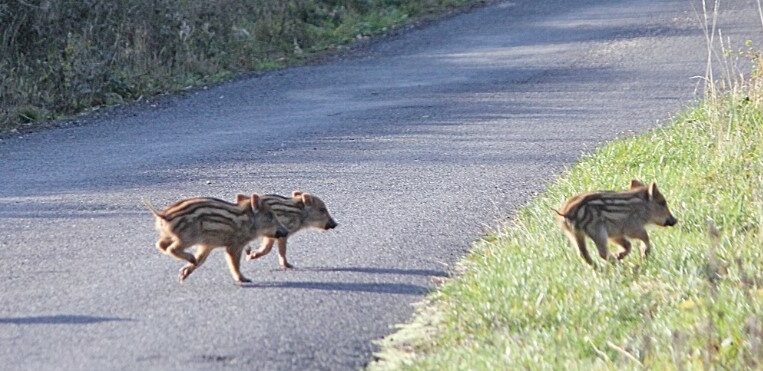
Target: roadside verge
524,299
61,59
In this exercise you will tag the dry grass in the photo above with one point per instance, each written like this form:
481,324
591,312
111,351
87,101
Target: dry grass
60,57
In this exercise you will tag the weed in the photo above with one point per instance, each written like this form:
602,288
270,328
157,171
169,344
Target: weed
62,57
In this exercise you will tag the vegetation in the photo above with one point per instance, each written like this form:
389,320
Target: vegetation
60,57
526,300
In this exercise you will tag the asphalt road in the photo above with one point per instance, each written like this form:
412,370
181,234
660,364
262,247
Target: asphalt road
418,143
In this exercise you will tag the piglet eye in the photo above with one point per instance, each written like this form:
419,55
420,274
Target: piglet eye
323,210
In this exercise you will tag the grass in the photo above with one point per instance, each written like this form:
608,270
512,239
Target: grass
64,57
525,299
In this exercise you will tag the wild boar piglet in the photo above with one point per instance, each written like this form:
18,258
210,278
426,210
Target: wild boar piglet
300,211
211,223
614,216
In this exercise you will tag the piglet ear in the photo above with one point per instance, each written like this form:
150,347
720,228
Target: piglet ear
256,202
636,184
654,193
307,198
241,198
296,194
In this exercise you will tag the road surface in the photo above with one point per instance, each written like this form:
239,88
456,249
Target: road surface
418,143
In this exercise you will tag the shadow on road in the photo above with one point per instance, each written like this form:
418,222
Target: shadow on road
59,319
377,288
63,212
412,272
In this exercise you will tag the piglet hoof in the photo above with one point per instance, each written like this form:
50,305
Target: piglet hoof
185,272
243,280
286,266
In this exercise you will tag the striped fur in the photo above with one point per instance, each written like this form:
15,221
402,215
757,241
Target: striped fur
614,216
208,214
290,212
300,211
211,223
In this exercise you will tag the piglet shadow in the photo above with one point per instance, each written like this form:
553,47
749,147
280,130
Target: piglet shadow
59,319
370,270
372,287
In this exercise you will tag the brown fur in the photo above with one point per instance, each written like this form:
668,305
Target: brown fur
614,216
301,211
211,223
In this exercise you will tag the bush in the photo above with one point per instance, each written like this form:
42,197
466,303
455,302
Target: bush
62,56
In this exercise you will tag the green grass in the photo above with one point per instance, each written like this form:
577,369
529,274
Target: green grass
526,300
64,57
